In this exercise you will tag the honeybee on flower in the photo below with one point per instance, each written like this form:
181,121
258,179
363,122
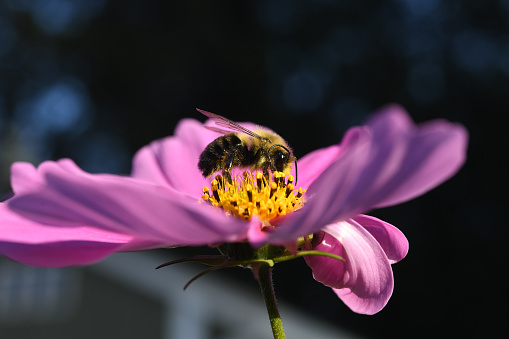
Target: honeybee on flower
260,149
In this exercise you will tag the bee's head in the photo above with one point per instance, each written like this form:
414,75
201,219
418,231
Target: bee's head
281,158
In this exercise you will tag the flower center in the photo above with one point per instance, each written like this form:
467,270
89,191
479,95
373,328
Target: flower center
251,194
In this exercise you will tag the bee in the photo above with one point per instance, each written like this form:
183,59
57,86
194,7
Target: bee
260,149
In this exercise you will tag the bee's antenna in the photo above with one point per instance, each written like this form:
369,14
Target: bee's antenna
286,149
295,162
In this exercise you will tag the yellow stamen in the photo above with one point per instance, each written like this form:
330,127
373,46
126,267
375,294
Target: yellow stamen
215,191
289,189
273,188
259,181
290,179
253,194
220,181
249,193
206,197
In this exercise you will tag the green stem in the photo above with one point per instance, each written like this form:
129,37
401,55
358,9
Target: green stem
265,281
307,253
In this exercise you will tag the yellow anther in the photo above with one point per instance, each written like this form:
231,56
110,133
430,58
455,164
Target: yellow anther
249,192
259,181
271,197
300,192
215,192
289,189
290,179
273,188
220,181
279,178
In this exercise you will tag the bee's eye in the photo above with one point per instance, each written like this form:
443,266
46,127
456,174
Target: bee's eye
280,159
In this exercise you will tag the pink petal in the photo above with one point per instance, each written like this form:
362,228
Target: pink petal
64,196
388,162
315,163
173,161
23,177
434,152
364,281
37,244
392,240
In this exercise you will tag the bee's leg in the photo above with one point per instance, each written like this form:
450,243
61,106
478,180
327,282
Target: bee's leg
227,177
228,167
265,170
266,174
262,157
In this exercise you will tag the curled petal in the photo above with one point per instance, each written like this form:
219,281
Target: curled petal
364,280
64,196
392,240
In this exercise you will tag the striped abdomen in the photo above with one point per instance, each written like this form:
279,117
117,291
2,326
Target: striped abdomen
223,153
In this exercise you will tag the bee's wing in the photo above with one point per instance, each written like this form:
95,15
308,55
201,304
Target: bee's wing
218,130
230,125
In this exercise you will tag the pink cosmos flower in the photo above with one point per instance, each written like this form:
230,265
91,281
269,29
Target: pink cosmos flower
60,215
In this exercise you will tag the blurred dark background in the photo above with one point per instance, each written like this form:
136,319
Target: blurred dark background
95,80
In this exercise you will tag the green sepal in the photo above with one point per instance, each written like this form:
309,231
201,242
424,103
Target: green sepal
211,260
